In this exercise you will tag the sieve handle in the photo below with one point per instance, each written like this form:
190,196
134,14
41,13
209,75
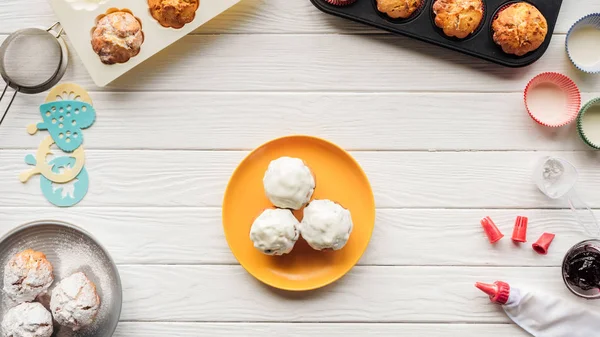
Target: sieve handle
9,103
52,30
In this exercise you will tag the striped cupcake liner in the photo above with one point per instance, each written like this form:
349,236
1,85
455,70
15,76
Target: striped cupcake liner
340,2
563,83
580,124
591,20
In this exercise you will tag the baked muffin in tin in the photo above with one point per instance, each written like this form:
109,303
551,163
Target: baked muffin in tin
458,18
399,9
519,28
117,37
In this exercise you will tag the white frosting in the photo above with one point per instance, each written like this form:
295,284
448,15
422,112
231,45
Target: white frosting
75,302
27,320
326,225
275,231
26,277
289,183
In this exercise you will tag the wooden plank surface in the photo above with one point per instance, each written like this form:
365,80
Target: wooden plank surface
443,137
406,237
138,178
355,121
150,329
366,294
258,17
279,62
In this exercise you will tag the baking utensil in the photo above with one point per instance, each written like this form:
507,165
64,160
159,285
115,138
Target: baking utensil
556,178
422,27
583,44
581,269
32,60
70,250
338,178
588,123
552,99
79,22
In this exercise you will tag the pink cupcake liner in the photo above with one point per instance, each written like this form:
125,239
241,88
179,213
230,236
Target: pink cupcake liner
340,2
573,99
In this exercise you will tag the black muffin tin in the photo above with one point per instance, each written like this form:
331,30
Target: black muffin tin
421,26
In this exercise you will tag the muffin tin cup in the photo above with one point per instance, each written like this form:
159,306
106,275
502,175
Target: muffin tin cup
564,84
422,27
341,2
589,21
581,124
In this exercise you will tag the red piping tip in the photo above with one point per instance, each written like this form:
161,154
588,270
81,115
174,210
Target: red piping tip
520,231
543,243
491,230
499,291
490,289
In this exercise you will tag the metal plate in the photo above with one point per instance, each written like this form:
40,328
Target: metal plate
70,250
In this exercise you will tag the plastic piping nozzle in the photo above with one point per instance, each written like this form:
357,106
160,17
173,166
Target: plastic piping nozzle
543,243
491,230
520,231
499,291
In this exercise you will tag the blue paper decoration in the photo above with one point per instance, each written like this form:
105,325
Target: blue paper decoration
64,120
55,195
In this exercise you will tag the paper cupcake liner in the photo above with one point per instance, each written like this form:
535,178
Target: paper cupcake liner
586,107
340,2
566,85
591,20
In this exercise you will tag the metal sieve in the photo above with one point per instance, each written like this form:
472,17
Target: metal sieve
32,60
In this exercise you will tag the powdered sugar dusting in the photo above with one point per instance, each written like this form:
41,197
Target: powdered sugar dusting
27,319
75,302
27,275
79,257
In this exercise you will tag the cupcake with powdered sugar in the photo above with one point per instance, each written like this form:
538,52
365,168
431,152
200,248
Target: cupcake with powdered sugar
27,320
75,302
27,275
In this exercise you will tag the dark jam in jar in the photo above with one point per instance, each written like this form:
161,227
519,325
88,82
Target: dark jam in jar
581,267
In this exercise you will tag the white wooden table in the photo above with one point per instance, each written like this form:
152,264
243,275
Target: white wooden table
444,139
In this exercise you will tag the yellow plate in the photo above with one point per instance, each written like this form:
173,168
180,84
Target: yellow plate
338,177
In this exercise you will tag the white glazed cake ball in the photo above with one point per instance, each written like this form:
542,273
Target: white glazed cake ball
326,225
27,275
289,183
27,320
275,231
75,302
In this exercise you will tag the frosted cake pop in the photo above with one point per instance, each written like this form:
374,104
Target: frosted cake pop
289,183
275,232
27,320
27,275
326,225
75,302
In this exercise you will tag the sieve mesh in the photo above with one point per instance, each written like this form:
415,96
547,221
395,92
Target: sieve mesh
32,58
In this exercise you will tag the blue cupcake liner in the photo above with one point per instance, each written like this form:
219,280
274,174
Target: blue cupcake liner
592,20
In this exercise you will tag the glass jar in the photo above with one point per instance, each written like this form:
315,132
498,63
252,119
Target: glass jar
581,269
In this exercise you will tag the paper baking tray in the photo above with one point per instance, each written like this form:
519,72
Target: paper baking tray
78,24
